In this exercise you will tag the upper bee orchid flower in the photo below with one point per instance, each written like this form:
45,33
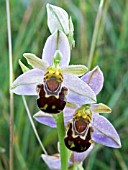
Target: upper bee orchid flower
52,77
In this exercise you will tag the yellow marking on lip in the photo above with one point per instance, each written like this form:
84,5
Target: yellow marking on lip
71,144
56,72
84,113
53,107
45,107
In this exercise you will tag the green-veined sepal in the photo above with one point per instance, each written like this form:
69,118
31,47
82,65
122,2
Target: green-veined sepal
23,67
35,62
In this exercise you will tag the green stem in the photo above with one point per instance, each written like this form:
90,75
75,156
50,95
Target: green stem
77,166
61,134
11,80
95,33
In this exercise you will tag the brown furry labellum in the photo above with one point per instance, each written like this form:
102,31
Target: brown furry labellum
78,136
51,96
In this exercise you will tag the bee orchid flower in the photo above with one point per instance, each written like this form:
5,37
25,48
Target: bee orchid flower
52,77
54,163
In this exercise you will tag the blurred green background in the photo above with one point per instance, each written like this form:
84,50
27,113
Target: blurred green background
29,33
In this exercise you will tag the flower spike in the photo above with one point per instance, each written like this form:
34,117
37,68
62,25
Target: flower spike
60,91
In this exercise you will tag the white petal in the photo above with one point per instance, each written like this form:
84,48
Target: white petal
76,85
26,83
45,118
68,114
94,79
57,41
57,19
53,161
104,132
78,99
80,157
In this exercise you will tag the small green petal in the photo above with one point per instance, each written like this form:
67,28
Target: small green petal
23,67
101,108
77,70
35,62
